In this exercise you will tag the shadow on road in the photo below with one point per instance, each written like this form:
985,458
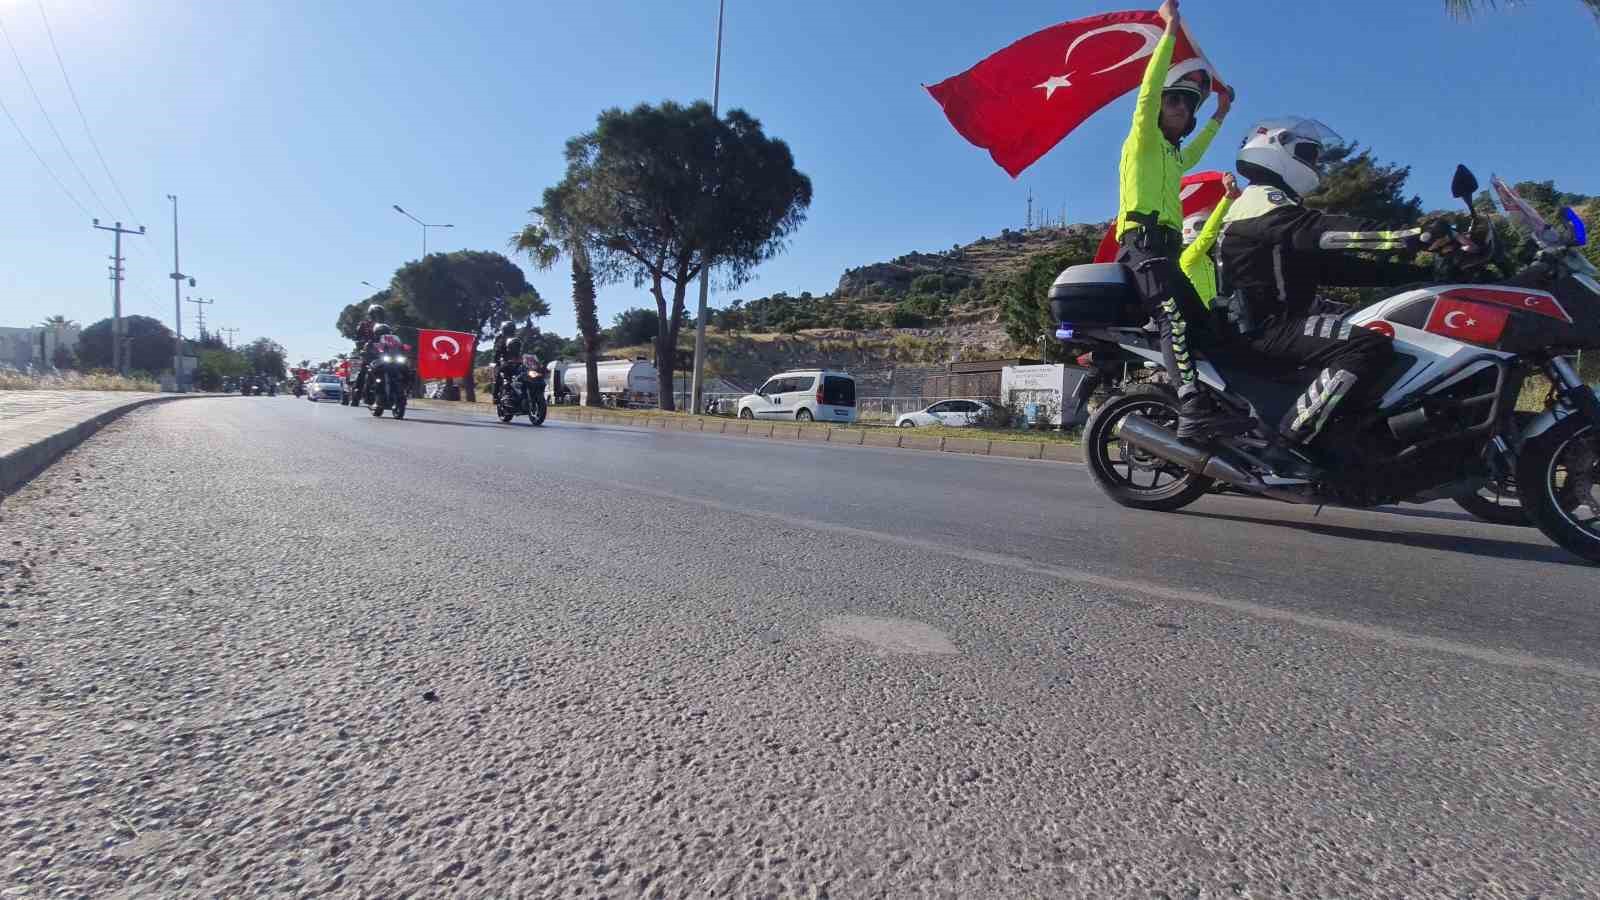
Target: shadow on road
1455,543
1434,514
461,424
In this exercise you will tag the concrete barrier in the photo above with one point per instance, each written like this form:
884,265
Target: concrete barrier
966,445
1015,449
1061,452
918,442
901,438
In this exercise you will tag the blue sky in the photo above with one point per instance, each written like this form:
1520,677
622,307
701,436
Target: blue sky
288,129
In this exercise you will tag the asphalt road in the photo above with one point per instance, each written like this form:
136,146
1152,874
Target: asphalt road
261,646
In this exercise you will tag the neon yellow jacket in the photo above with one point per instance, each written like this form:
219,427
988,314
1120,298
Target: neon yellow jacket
1196,261
1152,166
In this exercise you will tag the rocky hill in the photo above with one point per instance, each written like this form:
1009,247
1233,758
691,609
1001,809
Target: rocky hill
973,263
889,323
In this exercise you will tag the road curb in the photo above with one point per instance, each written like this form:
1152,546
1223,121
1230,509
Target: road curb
19,466
851,435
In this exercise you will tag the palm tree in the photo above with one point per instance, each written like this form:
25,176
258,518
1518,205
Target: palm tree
57,321
546,240
1463,9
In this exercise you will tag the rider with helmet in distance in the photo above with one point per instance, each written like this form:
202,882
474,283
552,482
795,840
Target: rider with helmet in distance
503,353
366,335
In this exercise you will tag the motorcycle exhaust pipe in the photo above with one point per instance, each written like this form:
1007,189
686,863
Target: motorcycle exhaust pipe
1164,443
1158,441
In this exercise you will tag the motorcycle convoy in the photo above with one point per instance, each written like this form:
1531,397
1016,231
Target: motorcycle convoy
380,376
1446,426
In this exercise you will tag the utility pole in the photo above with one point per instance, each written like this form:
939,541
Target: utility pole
696,380
1030,209
200,314
177,303
231,332
118,363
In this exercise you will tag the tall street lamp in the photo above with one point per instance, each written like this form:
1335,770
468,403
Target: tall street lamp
177,303
696,378
425,227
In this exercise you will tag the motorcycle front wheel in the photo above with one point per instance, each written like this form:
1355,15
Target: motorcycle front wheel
1499,501
1558,475
536,411
1128,475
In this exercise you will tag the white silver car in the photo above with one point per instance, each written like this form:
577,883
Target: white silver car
323,386
950,414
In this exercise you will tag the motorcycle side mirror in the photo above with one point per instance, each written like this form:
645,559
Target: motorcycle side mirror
1464,185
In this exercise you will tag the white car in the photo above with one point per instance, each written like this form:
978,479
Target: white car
950,414
817,395
323,386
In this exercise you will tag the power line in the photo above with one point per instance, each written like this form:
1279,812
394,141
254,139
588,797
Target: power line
35,151
83,118
49,121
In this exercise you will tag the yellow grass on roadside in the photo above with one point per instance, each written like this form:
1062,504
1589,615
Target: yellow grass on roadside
75,381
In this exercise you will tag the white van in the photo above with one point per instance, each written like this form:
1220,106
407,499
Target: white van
816,395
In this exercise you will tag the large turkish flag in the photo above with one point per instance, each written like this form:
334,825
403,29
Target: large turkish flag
444,354
1023,100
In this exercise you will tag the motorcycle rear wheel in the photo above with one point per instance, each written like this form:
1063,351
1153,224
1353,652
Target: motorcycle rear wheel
1106,454
1558,473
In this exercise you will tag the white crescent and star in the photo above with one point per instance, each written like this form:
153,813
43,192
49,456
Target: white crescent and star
1449,320
1150,34
455,346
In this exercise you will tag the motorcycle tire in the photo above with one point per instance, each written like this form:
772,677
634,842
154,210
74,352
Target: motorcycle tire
505,414
1499,502
1556,474
400,408
1103,452
537,412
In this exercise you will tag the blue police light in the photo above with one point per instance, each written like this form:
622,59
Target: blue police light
1580,232
1064,331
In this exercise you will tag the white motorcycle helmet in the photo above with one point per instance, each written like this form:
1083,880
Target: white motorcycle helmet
1191,80
1286,153
1193,225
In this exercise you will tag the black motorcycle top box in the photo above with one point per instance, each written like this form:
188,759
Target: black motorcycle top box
1095,294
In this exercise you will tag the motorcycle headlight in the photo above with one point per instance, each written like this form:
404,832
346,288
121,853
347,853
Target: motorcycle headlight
399,359
388,359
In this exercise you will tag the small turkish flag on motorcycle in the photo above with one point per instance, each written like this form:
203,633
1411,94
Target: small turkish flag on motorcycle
1023,100
1474,323
444,354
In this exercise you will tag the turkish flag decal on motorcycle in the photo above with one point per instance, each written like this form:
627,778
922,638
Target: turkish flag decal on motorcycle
445,354
1021,101
1474,323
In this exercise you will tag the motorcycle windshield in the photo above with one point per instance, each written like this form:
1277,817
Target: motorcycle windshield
1522,213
